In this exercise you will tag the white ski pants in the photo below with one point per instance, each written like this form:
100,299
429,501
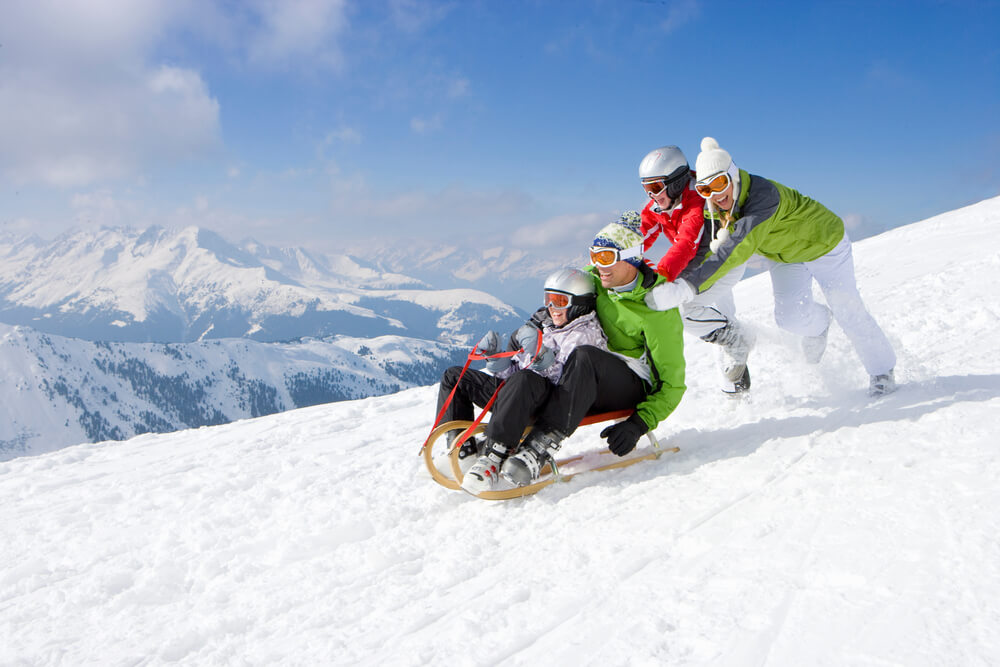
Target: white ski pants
797,312
713,308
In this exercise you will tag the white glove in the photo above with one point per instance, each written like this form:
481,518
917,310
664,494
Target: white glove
669,295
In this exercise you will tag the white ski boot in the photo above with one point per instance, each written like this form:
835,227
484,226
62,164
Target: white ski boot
737,389
735,342
484,475
537,449
881,385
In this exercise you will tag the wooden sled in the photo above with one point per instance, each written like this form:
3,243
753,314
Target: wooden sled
550,473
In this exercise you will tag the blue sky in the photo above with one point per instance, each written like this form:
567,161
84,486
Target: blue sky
519,122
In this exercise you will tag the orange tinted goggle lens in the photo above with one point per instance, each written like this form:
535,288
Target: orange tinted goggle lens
605,257
654,187
717,184
556,300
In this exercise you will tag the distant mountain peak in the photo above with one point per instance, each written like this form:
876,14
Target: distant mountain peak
175,285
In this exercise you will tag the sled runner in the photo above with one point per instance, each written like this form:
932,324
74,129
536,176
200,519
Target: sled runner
563,469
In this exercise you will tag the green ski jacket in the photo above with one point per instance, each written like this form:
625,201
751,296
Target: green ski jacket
771,220
648,339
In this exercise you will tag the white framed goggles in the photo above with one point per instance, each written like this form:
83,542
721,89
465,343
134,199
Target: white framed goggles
557,300
713,185
655,188
601,256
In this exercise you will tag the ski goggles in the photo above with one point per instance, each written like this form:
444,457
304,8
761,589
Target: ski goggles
654,188
601,256
557,300
714,185
673,185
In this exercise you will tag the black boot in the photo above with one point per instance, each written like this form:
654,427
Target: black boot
473,446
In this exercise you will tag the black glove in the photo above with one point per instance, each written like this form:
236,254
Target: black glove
623,435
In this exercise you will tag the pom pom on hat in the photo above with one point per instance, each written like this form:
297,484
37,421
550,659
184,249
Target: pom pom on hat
623,234
712,159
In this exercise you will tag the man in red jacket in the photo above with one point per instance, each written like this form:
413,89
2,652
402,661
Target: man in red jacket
676,210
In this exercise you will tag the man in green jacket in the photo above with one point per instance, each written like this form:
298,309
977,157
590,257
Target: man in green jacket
801,240
642,369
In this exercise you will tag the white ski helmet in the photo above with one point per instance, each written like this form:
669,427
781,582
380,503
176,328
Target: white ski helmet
666,163
578,286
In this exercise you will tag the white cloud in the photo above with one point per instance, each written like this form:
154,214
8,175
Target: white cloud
560,231
459,87
853,221
80,102
345,135
679,14
100,207
427,125
357,206
297,30
416,15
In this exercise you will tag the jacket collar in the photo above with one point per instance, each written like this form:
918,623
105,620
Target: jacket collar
645,281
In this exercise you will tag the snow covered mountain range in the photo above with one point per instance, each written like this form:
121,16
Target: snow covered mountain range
810,526
172,286
121,331
61,391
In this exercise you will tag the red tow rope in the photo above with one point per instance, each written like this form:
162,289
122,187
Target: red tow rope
475,355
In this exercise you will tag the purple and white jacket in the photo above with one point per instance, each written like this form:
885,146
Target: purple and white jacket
584,330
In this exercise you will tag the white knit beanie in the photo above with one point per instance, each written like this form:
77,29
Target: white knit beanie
712,160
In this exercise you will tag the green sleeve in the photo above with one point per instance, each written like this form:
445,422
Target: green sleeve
663,331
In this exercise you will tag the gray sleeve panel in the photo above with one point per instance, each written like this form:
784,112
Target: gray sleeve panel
761,204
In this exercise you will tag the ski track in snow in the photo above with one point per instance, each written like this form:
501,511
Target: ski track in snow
809,526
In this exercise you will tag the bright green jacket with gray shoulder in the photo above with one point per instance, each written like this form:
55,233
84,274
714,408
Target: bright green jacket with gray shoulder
771,220
650,341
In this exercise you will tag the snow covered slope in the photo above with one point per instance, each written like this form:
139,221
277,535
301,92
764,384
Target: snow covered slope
811,526
123,284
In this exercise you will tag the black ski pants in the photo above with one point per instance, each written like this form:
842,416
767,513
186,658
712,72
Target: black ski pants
516,404
592,381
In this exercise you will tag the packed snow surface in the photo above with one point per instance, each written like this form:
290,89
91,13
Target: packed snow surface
810,526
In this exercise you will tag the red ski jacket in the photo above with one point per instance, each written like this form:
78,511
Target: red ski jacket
683,228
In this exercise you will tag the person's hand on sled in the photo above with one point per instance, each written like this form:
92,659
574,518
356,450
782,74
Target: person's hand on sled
623,436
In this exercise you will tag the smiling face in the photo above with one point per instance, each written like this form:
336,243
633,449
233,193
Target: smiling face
724,200
663,201
559,316
618,274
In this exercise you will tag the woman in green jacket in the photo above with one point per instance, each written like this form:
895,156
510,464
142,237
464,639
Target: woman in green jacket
802,240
